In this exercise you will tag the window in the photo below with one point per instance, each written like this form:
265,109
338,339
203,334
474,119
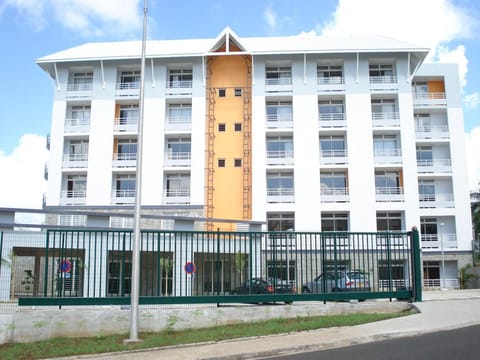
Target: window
278,75
426,190
331,110
125,185
238,92
222,92
333,182
332,146
423,123
429,229
119,273
386,145
178,185
222,127
420,87
279,147
81,81
238,162
330,74
180,78
238,126
381,70
281,221
128,114
76,186
389,221
424,155
384,106
79,115
179,113
334,221
179,148
221,163
126,149
278,111
78,150
280,184
387,182
129,80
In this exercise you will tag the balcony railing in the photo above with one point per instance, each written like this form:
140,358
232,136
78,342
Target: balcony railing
177,196
76,125
128,89
441,283
333,120
178,158
436,201
178,87
278,85
432,132
175,123
388,156
434,241
121,160
334,195
429,99
378,83
73,197
386,194
386,119
279,121
74,160
279,157
280,195
83,90
334,83
129,124
434,166
123,196
331,157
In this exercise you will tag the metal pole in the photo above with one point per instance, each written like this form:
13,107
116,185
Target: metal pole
135,288
443,256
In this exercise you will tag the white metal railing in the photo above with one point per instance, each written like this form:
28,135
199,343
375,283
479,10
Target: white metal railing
333,80
331,117
74,160
429,99
280,195
125,156
386,115
80,87
387,152
279,117
436,201
333,153
432,132
385,119
429,95
176,84
440,283
434,241
434,166
389,79
128,85
77,125
280,157
125,124
395,283
334,194
73,197
177,193
388,156
123,196
178,158
278,81
385,194
279,121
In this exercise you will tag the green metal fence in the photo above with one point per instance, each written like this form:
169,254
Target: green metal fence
94,267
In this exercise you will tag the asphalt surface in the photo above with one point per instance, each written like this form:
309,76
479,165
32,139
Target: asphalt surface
439,311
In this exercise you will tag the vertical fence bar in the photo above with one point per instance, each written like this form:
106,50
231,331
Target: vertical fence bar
417,264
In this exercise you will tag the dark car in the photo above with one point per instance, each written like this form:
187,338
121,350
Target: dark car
338,281
258,286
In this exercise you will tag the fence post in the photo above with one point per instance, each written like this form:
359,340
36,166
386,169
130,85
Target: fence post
417,264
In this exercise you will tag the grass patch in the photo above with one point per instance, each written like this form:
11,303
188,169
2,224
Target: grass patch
112,343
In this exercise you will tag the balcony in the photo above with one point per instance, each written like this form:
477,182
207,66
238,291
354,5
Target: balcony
76,125
75,161
123,197
73,197
278,85
124,160
79,91
280,195
331,84
432,132
334,195
128,89
179,123
279,121
387,194
332,120
383,83
129,124
434,166
279,157
177,196
388,156
179,88
429,100
333,157
178,158
429,201
385,119
434,241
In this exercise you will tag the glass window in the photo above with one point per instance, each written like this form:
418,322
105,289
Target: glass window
238,127
278,72
80,114
389,221
331,109
179,148
329,71
221,163
127,149
387,179
332,180
385,145
428,229
384,106
332,146
334,221
125,186
281,221
128,114
180,111
424,154
279,146
381,70
178,185
238,162
180,78
279,110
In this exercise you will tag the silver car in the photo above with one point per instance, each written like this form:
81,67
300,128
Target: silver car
338,281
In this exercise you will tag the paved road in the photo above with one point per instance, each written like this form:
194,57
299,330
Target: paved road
445,345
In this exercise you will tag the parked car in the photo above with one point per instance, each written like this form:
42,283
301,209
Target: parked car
339,281
261,286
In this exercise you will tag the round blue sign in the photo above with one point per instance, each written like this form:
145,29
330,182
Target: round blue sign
65,266
190,268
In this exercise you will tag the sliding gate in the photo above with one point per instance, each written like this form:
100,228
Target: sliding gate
94,267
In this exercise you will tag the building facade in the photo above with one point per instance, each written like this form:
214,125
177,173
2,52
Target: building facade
302,133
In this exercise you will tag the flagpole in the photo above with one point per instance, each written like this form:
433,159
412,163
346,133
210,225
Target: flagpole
135,285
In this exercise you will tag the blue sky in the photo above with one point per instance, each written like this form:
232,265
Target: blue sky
30,29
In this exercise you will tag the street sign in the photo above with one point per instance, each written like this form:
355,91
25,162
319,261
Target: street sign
65,266
190,268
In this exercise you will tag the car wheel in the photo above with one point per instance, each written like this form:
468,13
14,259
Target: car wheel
306,290
289,302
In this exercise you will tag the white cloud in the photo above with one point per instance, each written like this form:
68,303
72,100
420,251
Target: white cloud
22,184
472,144
270,17
472,100
455,56
85,17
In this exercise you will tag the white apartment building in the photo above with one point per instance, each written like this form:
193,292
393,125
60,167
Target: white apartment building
304,133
